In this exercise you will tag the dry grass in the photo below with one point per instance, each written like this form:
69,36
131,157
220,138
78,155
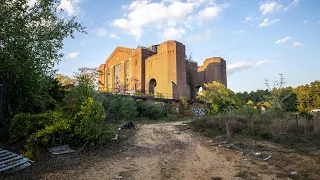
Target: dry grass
295,145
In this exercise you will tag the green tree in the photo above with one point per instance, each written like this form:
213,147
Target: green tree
276,90
218,96
290,103
243,97
308,96
64,79
88,75
31,38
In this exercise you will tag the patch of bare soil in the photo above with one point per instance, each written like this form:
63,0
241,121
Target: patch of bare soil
154,151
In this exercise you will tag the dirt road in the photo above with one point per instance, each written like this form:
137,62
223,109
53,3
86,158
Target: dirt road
162,151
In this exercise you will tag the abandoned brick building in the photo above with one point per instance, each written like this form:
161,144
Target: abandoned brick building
161,69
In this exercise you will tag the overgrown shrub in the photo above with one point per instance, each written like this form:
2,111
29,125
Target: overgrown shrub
74,99
275,112
184,102
118,108
51,128
23,125
55,128
230,126
306,115
260,132
245,110
91,123
151,110
218,125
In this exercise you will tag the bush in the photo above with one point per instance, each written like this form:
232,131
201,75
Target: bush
275,112
74,99
23,125
184,102
56,128
246,111
47,129
306,115
118,108
151,111
260,132
91,124
212,126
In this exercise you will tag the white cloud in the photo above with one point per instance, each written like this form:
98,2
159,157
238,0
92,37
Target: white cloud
283,40
295,2
172,33
72,55
292,4
267,22
269,7
249,18
238,66
208,13
211,12
166,14
170,1
70,6
262,62
207,34
114,36
296,44
238,32
197,3
101,32
305,22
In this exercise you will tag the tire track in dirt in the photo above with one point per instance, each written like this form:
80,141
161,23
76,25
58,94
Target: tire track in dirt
162,152
178,156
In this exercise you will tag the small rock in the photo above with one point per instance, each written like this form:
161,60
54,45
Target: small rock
118,177
293,173
71,171
257,153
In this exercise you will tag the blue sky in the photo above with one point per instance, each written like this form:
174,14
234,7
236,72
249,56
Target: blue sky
258,39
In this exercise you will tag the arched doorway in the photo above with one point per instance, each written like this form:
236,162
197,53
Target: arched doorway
152,85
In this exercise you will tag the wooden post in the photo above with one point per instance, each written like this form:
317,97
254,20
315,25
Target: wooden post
297,121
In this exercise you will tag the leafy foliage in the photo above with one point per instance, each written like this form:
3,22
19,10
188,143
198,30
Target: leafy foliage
31,38
301,98
184,102
22,125
290,103
151,111
245,110
308,96
306,115
91,124
77,95
218,96
64,79
119,109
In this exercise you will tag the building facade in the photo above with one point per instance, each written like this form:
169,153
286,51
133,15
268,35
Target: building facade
162,70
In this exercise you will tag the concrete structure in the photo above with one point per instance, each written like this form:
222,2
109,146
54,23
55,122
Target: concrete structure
162,70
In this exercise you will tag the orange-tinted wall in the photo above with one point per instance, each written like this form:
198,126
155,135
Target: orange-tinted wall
165,64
